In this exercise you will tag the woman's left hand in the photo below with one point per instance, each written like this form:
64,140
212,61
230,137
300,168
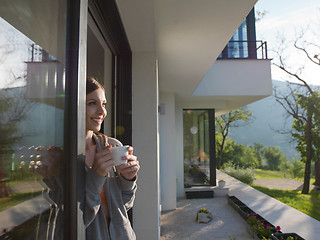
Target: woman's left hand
130,169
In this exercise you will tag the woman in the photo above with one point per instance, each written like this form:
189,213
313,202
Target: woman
110,189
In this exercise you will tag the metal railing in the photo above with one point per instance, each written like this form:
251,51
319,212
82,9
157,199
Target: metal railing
38,54
245,50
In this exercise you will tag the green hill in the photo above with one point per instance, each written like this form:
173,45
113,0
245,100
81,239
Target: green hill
269,118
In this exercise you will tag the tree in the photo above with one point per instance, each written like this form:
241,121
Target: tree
300,102
250,159
233,153
316,135
296,168
11,112
229,120
258,151
274,157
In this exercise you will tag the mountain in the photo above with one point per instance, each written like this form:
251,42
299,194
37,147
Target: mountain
268,119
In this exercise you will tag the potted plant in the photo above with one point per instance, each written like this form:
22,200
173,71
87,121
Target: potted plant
261,228
203,216
222,183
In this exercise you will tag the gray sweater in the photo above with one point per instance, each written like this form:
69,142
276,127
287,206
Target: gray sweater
120,195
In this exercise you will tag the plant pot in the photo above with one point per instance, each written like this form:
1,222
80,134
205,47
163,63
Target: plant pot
221,184
204,217
285,236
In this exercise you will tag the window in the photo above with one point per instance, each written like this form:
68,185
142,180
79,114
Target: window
243,44
42,92
199,149
32,95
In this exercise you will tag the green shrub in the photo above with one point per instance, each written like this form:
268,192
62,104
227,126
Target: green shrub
245,175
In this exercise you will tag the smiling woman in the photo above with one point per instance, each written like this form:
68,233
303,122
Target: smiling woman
110,188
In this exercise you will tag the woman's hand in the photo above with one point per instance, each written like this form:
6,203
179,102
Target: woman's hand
130,169
50,162
103,161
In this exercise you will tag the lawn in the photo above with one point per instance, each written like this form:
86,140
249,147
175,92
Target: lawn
270,174
306,203
16,198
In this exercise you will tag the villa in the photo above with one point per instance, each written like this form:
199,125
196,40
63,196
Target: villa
169,68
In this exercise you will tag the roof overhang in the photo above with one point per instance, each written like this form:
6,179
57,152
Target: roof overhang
186,35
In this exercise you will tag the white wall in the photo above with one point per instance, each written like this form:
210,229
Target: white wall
237,77
146,211
167,129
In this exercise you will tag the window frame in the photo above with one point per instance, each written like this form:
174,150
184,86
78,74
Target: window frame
114,34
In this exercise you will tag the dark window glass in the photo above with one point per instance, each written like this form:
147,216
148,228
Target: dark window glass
32,93
196,147
238,44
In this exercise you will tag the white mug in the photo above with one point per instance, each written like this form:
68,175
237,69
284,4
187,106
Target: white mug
118,153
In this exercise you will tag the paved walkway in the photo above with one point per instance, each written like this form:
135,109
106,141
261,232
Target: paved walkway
180,223
28,186
276,212
24,211
282,183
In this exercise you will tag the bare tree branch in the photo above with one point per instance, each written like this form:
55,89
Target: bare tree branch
307,54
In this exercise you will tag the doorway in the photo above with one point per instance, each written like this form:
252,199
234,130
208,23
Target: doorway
198,147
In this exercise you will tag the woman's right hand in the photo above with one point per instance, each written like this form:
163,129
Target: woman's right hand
103,161
50,161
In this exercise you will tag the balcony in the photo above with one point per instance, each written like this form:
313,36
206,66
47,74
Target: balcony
241,75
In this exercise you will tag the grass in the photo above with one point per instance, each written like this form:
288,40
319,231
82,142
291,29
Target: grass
306,203
16,198
302,202
269,174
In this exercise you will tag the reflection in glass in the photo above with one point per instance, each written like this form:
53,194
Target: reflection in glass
196,147
31,139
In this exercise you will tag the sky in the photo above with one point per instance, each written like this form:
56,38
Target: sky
284,19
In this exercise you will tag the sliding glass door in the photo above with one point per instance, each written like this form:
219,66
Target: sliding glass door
199,157
32,100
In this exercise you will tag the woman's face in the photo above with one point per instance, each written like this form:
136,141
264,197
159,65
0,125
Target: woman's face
95,110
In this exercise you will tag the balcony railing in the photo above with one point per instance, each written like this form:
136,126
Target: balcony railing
245,50
38,54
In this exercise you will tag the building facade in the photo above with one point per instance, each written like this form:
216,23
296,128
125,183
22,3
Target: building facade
157,60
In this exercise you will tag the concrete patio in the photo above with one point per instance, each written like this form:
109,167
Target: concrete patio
181,224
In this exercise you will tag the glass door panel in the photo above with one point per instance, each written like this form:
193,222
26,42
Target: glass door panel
99,66
196,147
32,94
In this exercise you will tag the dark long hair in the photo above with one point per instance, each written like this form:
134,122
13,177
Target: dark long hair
92,85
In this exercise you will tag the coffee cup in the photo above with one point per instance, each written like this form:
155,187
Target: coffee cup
118,153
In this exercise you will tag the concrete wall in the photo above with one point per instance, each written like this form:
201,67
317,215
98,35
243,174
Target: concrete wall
237,78
146,211
167,127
